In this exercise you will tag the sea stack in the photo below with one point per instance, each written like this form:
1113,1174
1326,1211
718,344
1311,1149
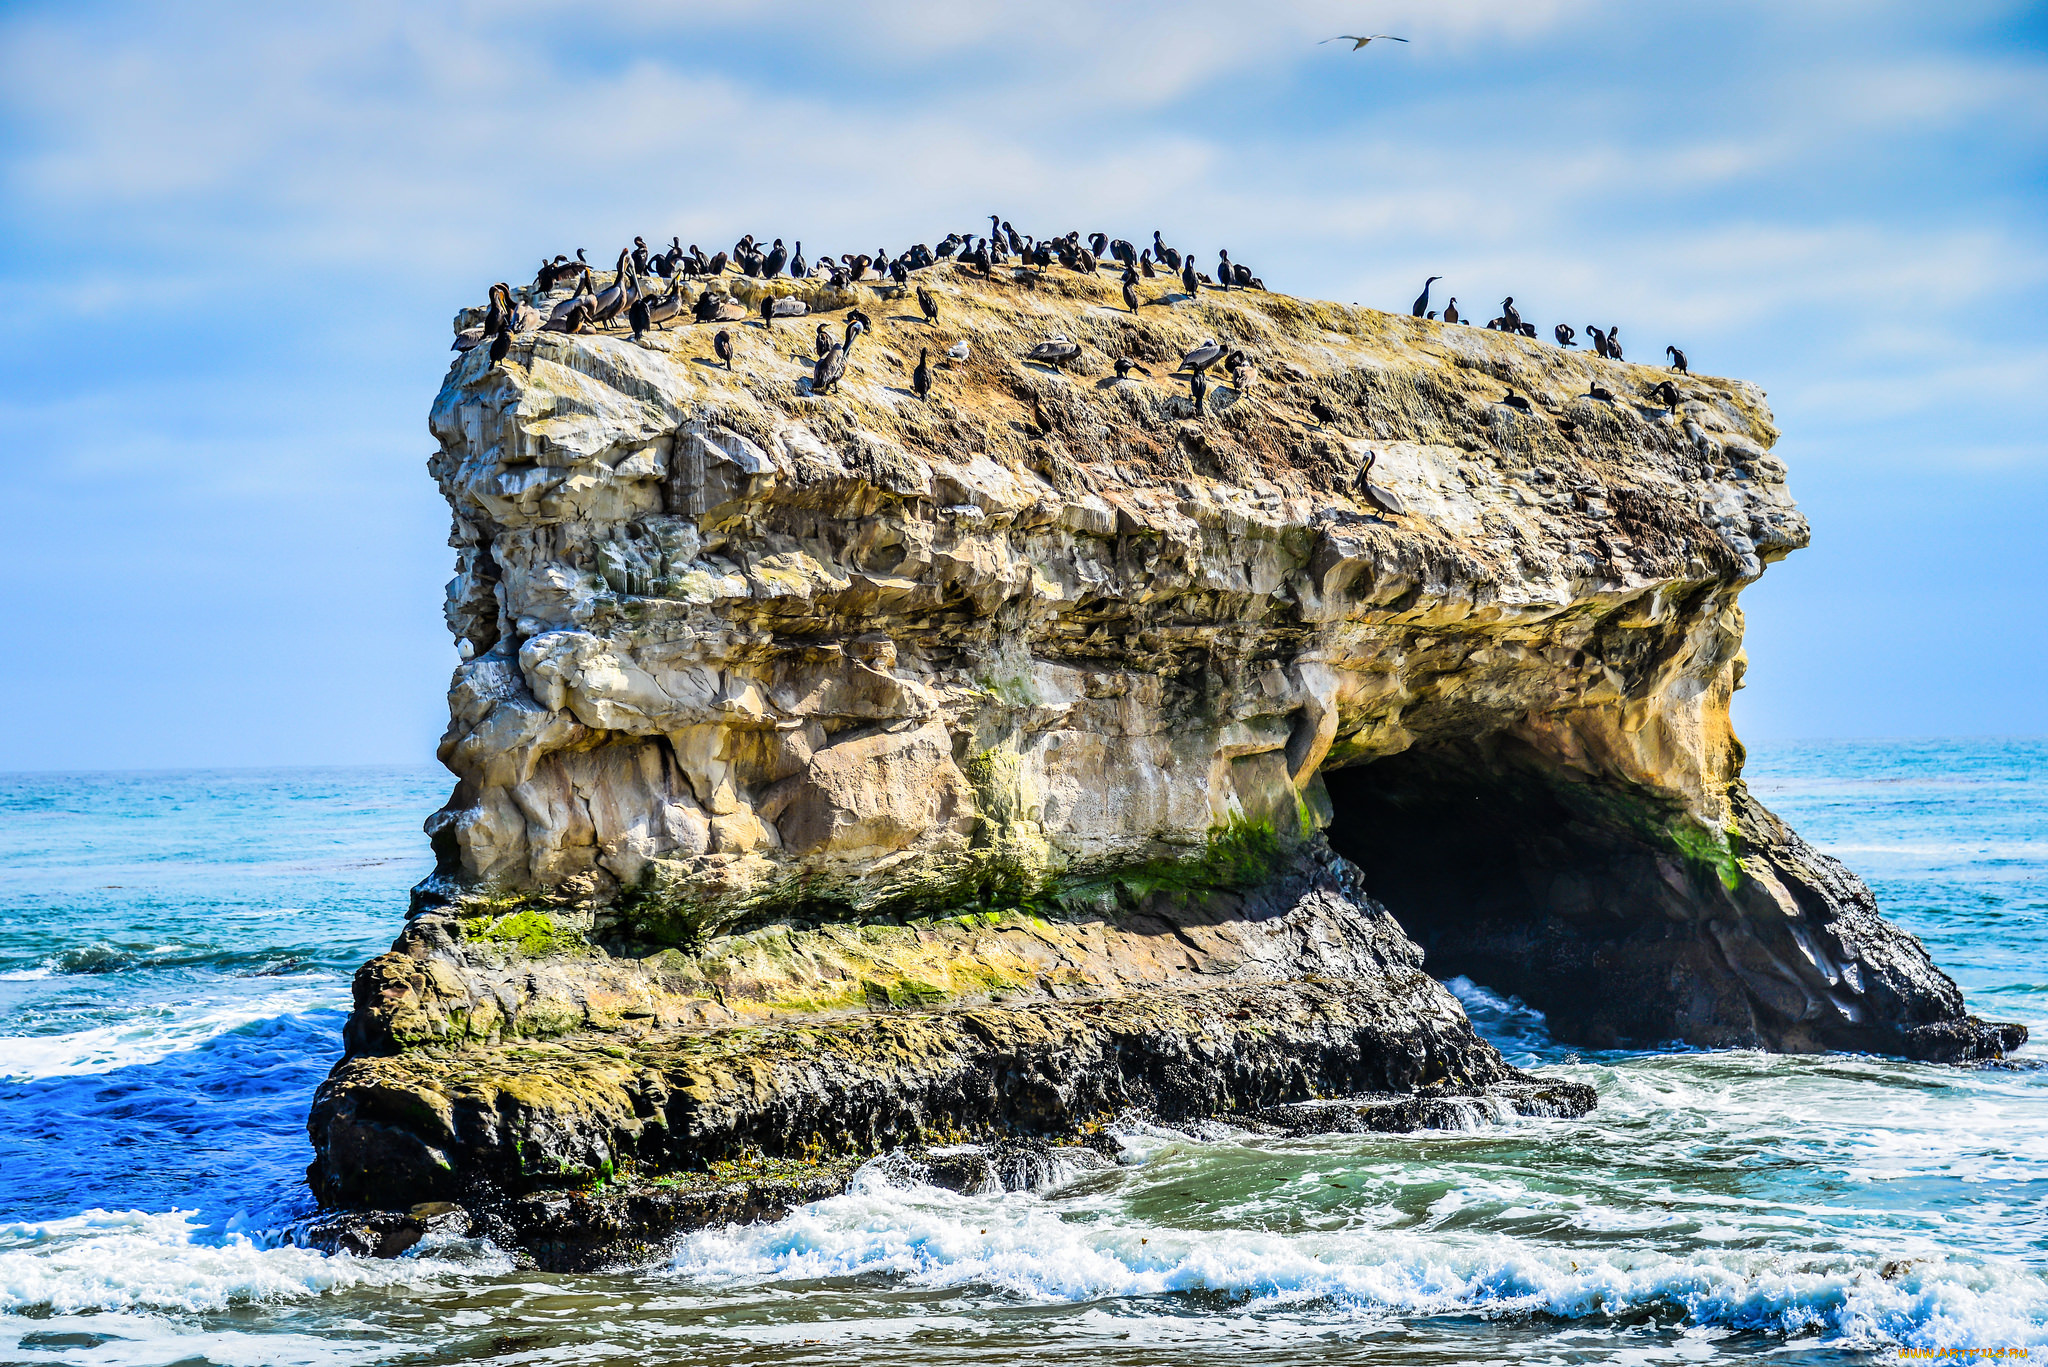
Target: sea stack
841,774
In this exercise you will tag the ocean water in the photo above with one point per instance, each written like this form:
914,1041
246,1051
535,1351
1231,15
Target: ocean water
175,950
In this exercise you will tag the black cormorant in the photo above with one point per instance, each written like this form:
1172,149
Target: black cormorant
1422,299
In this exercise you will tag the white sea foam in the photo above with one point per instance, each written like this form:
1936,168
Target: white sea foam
151,1033
134,1261
1022,1246
26,975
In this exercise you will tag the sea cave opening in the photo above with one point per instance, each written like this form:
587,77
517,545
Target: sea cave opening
1528,880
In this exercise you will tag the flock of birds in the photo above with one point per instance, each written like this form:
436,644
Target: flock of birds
647,292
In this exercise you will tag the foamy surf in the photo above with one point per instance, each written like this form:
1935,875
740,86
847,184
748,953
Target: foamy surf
150,1033
140,1262
1043,1251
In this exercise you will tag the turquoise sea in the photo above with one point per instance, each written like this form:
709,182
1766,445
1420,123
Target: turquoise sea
175,952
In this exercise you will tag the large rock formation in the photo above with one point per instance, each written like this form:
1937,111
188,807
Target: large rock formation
846,772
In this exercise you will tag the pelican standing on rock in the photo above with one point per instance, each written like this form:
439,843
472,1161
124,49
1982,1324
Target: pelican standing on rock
1203,355
1384,500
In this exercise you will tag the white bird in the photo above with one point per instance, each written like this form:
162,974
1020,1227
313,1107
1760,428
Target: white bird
958,351
1358,42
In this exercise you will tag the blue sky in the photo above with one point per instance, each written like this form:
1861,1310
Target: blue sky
233,235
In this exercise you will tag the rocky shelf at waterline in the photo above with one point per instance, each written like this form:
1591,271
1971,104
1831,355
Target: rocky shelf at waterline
852,773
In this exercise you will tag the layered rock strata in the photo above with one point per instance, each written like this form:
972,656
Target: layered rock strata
845,772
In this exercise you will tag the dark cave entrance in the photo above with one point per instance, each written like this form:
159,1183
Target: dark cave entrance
1526,879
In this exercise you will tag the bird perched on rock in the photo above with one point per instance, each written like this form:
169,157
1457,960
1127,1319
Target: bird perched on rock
1190,279
637,317
824,339
1054,351
1667,394
1224,274
1198,390
1145,265
1038,418
1677,360
856,328
1515,401
1510,320
1614,343
501,344
1202,355
1321,411
921,378
1131,291
1124,367
1358,42
1451,310
829,370
927,305
798,267
1243,374
721,346
1383,500
1599,340
1564,334
1421,306
958,351
1599,394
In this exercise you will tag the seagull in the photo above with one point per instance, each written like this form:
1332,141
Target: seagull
1358,42
958,351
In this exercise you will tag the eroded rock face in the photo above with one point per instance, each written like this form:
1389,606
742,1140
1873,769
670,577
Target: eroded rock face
859,708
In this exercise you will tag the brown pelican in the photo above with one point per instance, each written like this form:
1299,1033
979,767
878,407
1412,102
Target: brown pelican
1384,500
1054,351
1205,354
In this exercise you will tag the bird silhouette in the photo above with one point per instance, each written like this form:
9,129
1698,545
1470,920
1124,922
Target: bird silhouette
1358,42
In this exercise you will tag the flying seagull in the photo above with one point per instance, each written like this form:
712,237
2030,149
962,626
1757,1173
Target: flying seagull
1358,42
